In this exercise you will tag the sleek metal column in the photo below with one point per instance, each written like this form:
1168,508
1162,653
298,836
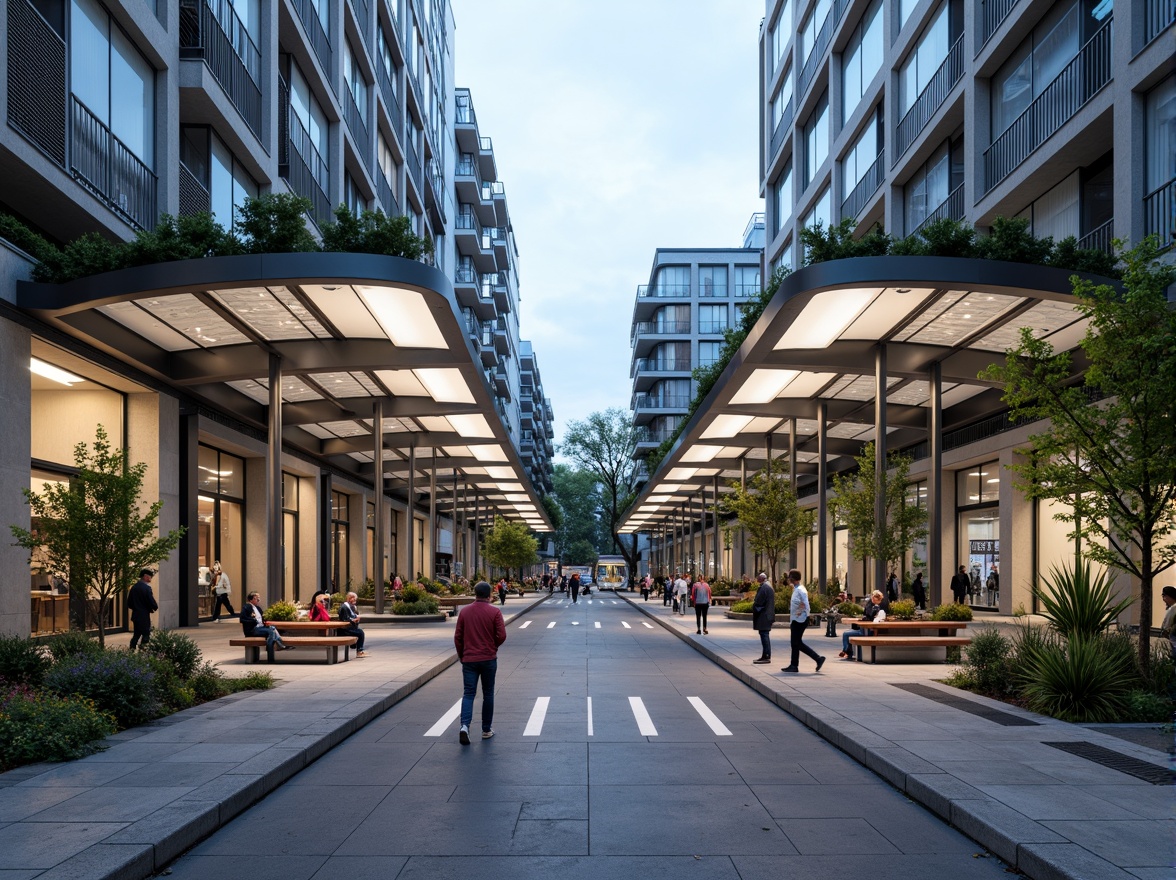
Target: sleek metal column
742,530
409,513
453,565
431,571
378,575
325,530
715,515
792,478
935,571
880,458
477,543
273,486
822,503
189,559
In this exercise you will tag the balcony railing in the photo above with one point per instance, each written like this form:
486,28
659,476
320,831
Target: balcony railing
660,328
744,291
415,170
194,198
865,187
466,274
661,401
464,112
356,124
467,167
211,30
104,165
1078,82
437,182
712,327
950,72
1100,239
1159,14
37,77
308,175
994,14
782,128
663,365
953,207
648,435
391,98
815,58
362,14
385,195
664,290
319,41
1159,211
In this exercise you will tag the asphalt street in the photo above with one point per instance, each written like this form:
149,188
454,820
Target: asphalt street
619,752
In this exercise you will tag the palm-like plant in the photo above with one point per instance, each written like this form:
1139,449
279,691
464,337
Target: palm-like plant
1077,603
1084,680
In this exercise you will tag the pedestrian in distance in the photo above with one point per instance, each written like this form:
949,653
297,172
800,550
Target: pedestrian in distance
480,631
960,585
503,589
799,614
919,591
1168,626
892,592
349,614
681,588
253,624
142,604
574,586
646,585
763,615
221,589
700,594
667,584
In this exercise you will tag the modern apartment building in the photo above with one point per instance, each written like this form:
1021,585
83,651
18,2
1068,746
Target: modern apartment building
679,316
116,112
899,112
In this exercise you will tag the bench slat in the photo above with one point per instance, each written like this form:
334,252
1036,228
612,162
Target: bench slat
875,642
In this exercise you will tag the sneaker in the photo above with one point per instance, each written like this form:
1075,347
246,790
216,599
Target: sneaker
789,669
486,734
706,632
464,735
763,660
360,654
820,663
842,654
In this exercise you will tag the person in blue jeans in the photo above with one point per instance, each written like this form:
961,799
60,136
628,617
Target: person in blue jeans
874,610
479,632
253,624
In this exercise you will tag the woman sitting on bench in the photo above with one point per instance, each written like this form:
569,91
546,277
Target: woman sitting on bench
872,612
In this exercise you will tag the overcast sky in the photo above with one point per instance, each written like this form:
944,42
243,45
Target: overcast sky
618,128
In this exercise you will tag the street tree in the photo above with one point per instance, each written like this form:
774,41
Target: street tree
509,545
769,512
580,553
853,505
1109,454
94,530
603,445
577,493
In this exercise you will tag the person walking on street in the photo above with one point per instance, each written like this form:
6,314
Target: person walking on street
681,588
479,632
799,612
763,615
960,584
142,604
892,586
349,614
574,587
646,583
667,590
919,591
503,589
221,588
700,593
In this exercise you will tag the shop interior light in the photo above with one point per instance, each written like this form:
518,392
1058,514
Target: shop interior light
48,371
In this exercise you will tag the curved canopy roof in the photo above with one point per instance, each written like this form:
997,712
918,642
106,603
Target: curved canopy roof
817,343
347,331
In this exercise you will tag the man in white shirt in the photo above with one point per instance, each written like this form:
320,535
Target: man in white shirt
681,587
799,613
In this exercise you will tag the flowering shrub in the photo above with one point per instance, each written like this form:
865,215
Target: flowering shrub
22,661
68,644
123,684
177,650
282,610
39,726
952,611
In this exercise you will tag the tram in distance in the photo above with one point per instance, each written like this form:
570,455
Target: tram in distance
612,573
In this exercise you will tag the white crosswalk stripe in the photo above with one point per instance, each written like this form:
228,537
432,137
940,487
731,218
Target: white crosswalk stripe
550,625
597,622
525,625
623,623
644,722
535,722
711,719
445,720
590,716
643,623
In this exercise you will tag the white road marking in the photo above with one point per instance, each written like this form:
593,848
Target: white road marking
590,716
625,625
615,602
525,625
575,623
598,624
445,720
550,625
535,722
644,722
711,719
647,625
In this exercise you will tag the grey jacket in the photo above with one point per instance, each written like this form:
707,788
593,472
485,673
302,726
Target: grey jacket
763,611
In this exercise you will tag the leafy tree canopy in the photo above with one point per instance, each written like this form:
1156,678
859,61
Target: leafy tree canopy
577,494
509,545
770,513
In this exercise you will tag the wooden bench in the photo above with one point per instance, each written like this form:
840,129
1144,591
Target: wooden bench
725,600
254,644
876,642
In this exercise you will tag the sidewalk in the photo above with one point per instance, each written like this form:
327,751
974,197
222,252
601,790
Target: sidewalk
127,812
995,775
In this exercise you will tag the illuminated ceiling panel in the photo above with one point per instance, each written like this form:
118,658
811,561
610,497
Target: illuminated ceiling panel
148,326
191,317
1044,318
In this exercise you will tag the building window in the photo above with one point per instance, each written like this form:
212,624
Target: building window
905,8
822,211
861,60
712,319
712,281
931,51
207,158
747,280
1056,213
340,526
672,281
1160,143
816,139
781,31
864,152
708,353
352,197
311,141
220,517
978,512
782,198
932,184
290,536
385,59
1039,59
354,82
807,36
111,79
672,319
783,99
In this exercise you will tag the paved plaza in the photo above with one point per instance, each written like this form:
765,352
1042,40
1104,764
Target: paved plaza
625,746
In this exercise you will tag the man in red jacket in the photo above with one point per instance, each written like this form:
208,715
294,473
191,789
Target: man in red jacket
480,630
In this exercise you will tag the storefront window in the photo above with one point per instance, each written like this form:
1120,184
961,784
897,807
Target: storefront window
221,522
340,528
977,497
290,536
